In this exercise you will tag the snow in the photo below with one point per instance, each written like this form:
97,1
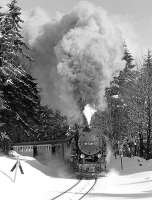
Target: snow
40,182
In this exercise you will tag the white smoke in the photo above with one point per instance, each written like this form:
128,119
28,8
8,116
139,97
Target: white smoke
89,112
3,5
83,46
33,28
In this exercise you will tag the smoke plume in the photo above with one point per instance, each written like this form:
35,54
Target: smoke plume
76,57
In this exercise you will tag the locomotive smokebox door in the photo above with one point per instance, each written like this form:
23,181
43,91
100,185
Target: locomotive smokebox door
89,142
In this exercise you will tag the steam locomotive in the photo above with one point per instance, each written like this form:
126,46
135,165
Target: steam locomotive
89,153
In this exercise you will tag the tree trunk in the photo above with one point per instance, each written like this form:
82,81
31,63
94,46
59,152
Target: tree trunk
141,145
148,130
148,147
35,151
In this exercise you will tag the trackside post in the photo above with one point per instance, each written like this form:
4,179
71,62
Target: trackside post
15,167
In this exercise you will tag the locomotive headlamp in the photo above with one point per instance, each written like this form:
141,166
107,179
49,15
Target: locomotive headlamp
99,155
82,156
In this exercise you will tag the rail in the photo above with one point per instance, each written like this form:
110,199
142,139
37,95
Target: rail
78,192
66,190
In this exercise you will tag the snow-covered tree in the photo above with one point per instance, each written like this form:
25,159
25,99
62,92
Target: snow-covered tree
116,106
12,43
138,96
20,94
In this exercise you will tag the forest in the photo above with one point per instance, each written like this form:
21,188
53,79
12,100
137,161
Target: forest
127,117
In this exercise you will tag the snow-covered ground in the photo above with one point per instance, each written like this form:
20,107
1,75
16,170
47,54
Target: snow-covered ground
38,182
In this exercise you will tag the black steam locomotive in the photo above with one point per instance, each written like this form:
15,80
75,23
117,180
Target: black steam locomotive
89,153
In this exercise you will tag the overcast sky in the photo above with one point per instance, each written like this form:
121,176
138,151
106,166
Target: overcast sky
137,13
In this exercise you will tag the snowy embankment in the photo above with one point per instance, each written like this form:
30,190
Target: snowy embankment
38,183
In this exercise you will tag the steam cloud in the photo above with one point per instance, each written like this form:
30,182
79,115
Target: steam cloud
76,57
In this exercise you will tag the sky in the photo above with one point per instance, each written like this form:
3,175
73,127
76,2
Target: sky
135,13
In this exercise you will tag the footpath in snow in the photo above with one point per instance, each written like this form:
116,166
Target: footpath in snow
43,182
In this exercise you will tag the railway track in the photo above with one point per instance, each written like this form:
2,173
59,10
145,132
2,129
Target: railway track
70,188
78,191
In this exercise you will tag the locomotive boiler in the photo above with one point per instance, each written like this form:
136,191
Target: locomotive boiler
89,153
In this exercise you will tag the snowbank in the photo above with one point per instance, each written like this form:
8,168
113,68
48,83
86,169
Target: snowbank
134,182
130,165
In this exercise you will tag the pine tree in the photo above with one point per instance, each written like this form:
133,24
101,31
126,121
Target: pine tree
128,58
12,43
20,95
116,107
138,99
148,88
